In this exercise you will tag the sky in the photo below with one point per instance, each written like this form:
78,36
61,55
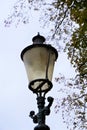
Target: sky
16,100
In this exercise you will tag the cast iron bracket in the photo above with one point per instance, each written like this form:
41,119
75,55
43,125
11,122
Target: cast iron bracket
42,112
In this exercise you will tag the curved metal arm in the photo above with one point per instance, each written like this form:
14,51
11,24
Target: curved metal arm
50,100
33,116
47,108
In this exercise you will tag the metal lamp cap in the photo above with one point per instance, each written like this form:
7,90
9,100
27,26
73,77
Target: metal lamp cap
38,39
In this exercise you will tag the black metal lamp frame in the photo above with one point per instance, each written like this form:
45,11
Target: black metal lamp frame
42,109
40,90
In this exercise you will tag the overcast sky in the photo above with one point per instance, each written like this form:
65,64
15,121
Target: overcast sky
16,101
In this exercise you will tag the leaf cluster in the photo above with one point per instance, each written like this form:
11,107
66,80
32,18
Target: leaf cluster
77,47
73,103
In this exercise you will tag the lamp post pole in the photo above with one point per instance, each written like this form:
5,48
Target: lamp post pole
39,62
42,112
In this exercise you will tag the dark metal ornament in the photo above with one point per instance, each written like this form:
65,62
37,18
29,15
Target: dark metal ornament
42,112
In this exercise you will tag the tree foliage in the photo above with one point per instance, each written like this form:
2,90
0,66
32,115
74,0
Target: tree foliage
77,53
73,103
68,20
77,48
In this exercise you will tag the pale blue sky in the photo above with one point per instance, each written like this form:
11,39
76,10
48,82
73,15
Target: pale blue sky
16,101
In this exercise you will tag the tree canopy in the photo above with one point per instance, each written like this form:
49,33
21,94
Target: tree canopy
77,53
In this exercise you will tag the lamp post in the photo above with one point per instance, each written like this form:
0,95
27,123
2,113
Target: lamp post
39,59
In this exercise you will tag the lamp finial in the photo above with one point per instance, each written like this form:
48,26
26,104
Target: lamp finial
38,39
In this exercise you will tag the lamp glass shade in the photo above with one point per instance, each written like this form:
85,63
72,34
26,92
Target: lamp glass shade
39,62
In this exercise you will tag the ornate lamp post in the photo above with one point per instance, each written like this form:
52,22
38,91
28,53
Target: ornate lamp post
39,60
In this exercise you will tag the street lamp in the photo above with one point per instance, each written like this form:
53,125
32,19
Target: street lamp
39,59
